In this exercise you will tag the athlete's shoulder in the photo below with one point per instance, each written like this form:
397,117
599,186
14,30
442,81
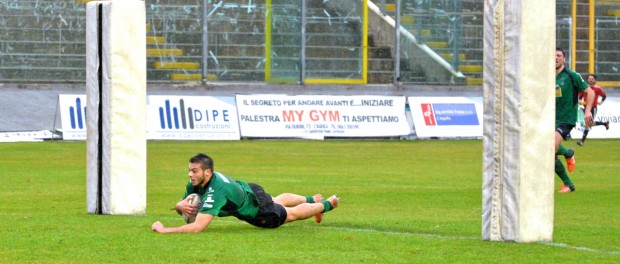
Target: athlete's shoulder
569,71
221,177
575,75
597,89
565,74
577,79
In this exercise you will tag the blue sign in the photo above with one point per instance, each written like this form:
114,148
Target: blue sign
456,114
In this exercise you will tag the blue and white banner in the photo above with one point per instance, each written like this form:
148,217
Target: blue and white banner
168,117
73,116
320,116
192,118
446,116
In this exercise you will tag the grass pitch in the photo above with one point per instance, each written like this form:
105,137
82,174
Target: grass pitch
401,201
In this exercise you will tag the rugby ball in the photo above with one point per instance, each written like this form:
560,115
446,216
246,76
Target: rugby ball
194,199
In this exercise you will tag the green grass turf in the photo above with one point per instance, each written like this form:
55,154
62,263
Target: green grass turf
401,201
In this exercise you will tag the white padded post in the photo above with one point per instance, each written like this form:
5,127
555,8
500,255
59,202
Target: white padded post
519,118
116,111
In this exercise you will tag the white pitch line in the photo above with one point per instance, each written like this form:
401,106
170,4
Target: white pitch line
554,244
370,230
562,245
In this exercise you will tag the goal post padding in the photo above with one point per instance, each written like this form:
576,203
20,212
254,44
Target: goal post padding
519,120
116,110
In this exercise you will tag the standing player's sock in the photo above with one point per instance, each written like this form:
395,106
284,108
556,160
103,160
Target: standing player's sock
566,152
560,171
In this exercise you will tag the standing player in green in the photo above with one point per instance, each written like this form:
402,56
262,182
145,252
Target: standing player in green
223,196
568,84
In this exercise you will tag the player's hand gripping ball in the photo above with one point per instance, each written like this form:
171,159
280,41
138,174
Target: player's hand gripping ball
194,199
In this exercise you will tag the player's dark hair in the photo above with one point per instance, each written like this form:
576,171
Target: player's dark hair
560,50
593,75
205,161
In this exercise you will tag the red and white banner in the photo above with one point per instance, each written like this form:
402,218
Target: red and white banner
320,116
449,117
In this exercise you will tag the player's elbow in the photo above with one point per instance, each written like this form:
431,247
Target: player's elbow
198,228
194,228
201,223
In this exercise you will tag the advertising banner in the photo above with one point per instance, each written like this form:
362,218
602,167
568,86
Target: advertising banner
192,118
73,116
320,116
315,117
168,117
446,116
27,136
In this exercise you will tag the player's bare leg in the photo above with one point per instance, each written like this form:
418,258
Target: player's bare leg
303,211
307,210
290,199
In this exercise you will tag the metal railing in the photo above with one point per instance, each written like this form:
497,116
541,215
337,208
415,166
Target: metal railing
288,41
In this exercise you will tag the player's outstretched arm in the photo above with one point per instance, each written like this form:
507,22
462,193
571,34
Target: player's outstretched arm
201,223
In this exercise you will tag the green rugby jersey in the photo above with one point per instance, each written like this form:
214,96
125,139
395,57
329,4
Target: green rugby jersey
565,104
223,196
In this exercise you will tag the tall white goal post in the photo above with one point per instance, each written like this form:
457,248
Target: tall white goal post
519,120
116,111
